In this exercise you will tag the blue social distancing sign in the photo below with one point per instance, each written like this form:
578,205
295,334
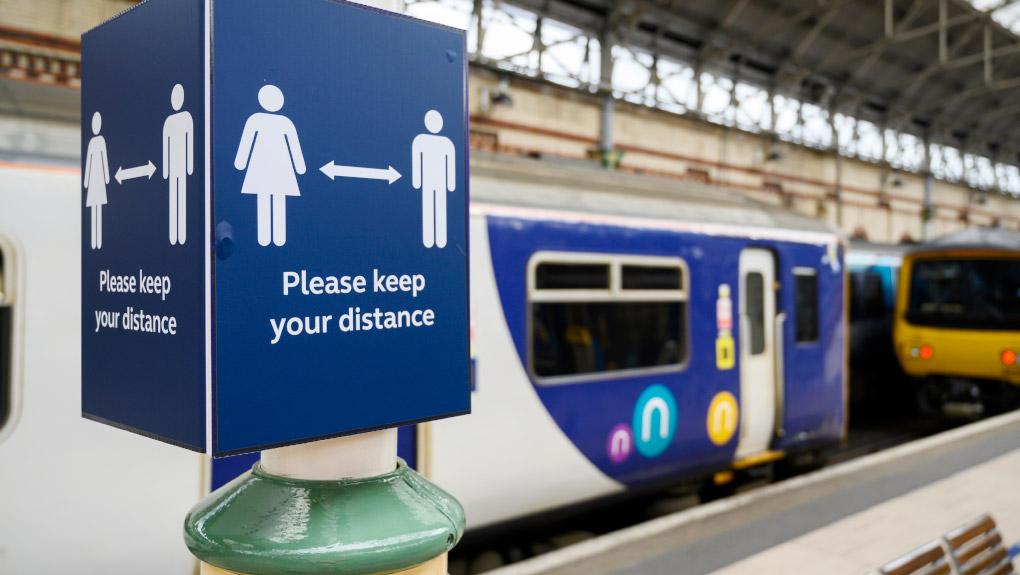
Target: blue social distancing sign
274,232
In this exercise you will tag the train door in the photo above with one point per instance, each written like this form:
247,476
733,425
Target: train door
757,351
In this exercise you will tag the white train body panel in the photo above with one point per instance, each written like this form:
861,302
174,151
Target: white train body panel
509,443
75,496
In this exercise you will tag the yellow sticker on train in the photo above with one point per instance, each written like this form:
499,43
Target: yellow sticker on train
723,416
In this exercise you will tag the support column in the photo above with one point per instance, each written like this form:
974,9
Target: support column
837,188
927,207
477,11
607,153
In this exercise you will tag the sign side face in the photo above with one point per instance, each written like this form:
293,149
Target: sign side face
340,176
143,222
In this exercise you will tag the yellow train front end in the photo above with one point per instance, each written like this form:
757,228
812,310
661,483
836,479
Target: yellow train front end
957,326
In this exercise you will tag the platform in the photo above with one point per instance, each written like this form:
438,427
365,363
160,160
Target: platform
849,518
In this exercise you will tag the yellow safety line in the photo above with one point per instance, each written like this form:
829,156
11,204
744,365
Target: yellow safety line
758,459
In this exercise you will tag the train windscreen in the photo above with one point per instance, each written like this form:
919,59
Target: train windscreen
966,293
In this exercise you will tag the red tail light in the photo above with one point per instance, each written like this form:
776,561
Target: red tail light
1008,357
925,352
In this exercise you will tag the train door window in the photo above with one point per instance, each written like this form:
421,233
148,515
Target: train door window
593,315
10,352
806,304
6,345
754,284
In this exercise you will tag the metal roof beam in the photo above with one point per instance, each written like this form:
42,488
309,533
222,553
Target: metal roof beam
911,34
1003,112
980,57
890,35
984,90
709,50
918,80
825,15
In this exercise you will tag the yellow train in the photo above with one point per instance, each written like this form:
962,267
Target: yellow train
957,323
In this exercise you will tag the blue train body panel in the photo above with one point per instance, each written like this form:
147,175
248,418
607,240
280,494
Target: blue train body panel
588,411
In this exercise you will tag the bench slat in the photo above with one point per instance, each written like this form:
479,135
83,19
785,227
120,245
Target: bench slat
961,535
967,553
914,561
1004,569
991,559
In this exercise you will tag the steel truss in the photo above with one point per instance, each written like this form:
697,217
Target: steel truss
715,81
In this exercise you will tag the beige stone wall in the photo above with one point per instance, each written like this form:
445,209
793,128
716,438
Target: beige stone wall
68,18
878,202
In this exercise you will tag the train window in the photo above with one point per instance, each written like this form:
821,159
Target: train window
806,305
975,294
572,276
652,277
754,286
633,318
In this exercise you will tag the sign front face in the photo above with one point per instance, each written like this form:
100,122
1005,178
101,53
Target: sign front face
340,211
143,225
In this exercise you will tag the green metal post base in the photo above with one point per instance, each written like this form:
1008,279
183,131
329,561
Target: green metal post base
262,524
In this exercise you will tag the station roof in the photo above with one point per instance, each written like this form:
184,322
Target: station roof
941,69
976,238
575,188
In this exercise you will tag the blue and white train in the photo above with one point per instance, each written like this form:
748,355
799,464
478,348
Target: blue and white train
627,331
631,330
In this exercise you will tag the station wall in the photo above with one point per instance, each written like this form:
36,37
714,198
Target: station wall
64,18
866,199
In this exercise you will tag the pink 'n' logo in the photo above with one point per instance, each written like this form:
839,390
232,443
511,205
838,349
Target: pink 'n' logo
620,443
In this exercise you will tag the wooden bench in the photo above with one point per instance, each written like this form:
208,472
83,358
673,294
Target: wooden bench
973,549
928,559
978,549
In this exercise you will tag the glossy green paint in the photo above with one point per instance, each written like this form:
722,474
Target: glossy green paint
261,524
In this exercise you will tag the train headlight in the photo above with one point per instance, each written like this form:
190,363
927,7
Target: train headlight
1008,357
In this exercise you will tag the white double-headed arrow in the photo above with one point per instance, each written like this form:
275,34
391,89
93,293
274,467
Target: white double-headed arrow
333,171
138,171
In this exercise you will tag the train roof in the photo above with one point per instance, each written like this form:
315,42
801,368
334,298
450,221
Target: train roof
575,187
880,249
973,238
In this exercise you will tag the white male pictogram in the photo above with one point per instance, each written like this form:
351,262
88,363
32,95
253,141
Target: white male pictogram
178,163
434,172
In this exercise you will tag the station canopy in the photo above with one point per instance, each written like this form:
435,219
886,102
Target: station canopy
945,71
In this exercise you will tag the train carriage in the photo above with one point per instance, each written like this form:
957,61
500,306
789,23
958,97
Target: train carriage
632,330
957,330
876,379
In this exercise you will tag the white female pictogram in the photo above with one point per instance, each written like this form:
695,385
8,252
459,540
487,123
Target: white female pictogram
97,176
270,152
